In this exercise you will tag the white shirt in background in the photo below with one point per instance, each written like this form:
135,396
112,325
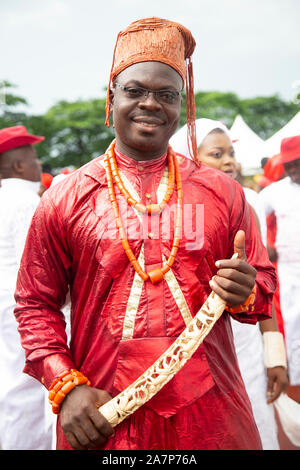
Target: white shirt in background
23,423
283,198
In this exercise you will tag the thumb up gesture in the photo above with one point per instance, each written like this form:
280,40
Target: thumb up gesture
235,278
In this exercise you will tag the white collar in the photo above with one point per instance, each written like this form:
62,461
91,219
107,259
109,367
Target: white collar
19,183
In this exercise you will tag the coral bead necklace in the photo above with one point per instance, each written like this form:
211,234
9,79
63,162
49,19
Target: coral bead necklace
112,175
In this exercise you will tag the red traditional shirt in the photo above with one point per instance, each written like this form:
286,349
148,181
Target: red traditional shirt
120,324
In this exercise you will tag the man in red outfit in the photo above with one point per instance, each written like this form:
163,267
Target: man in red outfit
128,303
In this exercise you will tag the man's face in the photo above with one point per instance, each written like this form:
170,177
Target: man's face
31,166
21,162
144,125
292,169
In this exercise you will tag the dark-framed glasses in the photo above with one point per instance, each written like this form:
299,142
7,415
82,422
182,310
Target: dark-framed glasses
162,96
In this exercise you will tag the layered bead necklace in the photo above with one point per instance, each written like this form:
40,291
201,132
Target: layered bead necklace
112,175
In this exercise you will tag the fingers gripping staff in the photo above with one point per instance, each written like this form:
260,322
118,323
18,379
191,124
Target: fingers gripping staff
175,357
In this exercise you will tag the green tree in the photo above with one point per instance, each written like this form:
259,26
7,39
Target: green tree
264,114
75,131
10,114
216,105
267,115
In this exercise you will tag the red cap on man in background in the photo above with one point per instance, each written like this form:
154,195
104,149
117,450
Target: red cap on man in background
273,169
17,136
289,149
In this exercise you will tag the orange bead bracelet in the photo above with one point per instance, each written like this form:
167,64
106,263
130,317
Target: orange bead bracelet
247,306
63,385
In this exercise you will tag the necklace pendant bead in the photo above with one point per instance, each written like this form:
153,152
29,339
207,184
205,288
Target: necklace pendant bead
156,275
153,209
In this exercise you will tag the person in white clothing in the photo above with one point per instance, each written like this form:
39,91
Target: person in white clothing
23,422
283,200
264,381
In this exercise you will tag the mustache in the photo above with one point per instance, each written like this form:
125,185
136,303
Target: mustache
142,114
149,117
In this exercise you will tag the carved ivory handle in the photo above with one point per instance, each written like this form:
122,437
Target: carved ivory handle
167,365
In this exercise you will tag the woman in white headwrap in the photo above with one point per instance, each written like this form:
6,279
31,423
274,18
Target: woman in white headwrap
261,377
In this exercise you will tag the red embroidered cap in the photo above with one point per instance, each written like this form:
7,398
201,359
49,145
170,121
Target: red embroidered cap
17,136
160,40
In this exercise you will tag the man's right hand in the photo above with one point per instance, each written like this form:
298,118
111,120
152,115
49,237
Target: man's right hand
83,425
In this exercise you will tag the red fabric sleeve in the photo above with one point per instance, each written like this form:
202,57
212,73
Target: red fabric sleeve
257,257
41,290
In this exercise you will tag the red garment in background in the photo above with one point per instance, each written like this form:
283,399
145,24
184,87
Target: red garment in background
271,238
73,241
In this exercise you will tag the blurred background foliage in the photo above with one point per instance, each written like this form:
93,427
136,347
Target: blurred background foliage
75,131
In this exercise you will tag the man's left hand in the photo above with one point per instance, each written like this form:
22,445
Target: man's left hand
277,382
235,278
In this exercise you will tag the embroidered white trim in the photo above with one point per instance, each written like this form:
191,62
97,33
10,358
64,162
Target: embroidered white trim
178,296
133,300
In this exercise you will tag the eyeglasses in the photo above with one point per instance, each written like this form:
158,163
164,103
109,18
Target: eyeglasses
162,96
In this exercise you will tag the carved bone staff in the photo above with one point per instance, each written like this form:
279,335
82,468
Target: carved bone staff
167,365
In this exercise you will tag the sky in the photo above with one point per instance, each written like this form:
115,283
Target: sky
62,49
